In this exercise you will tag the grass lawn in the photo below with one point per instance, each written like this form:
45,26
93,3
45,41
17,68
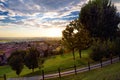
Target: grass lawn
51,64
66,61
111,72
10,73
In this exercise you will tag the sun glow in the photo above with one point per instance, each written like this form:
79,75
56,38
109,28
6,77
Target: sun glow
53,32
33,32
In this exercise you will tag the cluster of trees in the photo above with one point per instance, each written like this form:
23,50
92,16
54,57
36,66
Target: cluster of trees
31,58
96,26
76,37
105,49
100,17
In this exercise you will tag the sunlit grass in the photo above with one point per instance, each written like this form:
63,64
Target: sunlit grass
51,64
66,61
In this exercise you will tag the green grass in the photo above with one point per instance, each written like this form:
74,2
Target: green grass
10,73
111,72
66,61
51,64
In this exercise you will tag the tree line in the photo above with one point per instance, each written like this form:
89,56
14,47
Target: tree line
96,27
31,58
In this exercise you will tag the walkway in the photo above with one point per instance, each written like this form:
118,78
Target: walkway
48,76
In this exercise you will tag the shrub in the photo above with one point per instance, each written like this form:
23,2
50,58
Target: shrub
16,61
105,49
117,46
98,50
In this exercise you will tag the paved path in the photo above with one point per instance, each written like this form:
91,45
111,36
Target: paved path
95,66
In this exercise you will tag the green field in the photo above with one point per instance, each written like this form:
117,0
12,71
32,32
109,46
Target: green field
51,64
111,72
66,61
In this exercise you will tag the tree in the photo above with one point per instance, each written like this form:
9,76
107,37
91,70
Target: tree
100,18
81,35
68,39
16,61
99,50
61,50
82,40
117,46
32,58
75,36
17,64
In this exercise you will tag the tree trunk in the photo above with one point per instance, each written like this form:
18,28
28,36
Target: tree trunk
73,54
33,70
18,76
80,53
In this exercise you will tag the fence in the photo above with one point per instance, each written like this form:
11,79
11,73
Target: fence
78,70
73,70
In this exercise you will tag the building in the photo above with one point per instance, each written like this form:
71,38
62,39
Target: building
3,59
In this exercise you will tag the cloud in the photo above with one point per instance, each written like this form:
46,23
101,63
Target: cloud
22,7
116,1
2,17
43,10
118,6
40,14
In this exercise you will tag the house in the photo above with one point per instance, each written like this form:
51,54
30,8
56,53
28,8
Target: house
3,59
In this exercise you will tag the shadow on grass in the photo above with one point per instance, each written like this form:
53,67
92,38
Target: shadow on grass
35,73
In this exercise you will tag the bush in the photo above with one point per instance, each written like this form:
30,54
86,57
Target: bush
16,61
96,55
105,49
32,58
98,50
117,46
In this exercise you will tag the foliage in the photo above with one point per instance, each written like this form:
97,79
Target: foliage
105,49
51,64
16,61
69,39
48,52
82,38
17,64
75,36
100,18
117,46
61,50
98,50
32,58
58,50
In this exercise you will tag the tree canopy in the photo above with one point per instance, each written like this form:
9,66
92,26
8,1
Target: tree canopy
32,58
76,37
16,61
100,18
68,39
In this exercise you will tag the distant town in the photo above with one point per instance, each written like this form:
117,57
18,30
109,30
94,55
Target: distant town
6,48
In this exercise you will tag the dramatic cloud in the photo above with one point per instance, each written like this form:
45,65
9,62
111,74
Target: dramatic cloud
40,15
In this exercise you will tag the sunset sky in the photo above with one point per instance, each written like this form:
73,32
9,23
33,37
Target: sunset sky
38,18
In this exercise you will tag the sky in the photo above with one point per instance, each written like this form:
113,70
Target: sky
38,18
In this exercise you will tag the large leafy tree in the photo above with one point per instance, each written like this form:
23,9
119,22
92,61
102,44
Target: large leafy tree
68,39
16,61
32,58
75,36
82,37
100,17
